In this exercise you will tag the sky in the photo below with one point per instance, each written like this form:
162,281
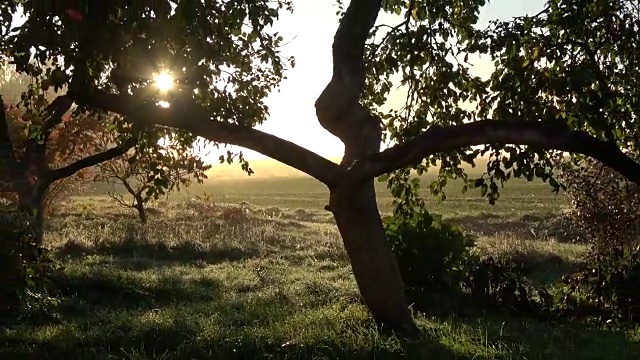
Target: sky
311,28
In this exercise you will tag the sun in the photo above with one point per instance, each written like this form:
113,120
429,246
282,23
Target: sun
164,81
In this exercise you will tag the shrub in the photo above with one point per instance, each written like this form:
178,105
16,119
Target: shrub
607,212
493,282
606,205
432,256
26,270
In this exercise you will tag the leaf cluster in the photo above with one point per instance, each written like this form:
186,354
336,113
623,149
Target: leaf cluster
162,161
575,62
26,271
222,54
41,142
432,256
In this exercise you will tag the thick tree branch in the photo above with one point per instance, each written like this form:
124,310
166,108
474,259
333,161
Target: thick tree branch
53,117
547,135
349,40
54,113
338,108
92,160
192,117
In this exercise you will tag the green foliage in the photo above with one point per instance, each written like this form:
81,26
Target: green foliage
572,63
162,162
607,214
26,270
226,65
432,255
229,74
493,283
440,272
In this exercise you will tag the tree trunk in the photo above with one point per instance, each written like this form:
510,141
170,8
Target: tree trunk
33,205
142,212
373,263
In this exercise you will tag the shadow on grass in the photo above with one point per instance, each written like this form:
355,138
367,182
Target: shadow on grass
250,331
105,216
521,334
106,288
112,314
541,267
529,339
528,226
187,339
162,253
109,315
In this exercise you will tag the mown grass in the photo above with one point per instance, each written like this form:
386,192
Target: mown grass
209,282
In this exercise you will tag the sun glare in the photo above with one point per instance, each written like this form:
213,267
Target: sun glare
164,81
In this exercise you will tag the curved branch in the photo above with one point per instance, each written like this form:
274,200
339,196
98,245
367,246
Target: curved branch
337,101
92,160
547,135
351,36
55,111
192,117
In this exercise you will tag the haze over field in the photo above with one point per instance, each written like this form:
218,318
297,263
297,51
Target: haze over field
267,168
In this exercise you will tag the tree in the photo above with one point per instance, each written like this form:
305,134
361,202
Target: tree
548,91
59,152
135,170
46,151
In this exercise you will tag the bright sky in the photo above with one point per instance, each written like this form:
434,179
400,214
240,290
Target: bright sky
313,24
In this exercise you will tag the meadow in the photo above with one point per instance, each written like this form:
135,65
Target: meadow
254,268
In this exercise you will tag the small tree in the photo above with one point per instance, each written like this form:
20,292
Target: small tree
47,147
180,164
606,205
60,150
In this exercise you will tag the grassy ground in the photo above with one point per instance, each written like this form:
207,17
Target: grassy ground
205,280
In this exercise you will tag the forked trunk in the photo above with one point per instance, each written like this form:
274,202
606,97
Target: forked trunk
374,266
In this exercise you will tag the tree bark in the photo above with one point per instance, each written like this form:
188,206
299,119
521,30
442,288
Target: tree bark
142,212
32,203
374,265
354,206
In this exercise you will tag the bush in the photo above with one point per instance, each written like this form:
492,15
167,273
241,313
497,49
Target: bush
26,270
607,212
432,256
606,205
493,282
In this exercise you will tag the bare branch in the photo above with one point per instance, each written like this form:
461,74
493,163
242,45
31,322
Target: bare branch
547,135
192,117
92,160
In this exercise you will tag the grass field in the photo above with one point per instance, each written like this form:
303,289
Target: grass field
204,280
